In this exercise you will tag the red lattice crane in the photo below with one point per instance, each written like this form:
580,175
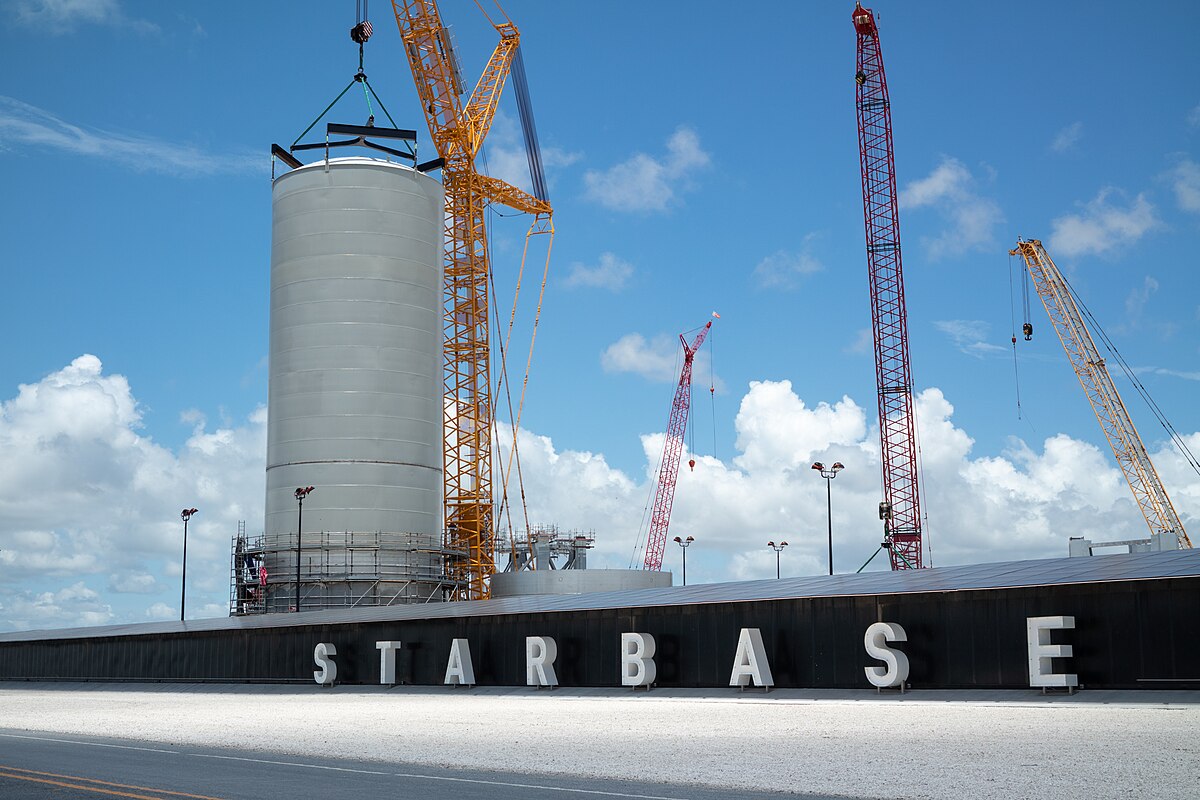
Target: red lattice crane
668,471
901,507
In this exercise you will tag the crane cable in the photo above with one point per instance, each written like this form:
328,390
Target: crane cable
1178,440
1012,313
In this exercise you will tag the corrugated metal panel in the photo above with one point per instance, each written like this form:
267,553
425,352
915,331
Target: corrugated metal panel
355,387
1014,574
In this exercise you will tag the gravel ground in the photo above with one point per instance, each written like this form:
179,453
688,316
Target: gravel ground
919,745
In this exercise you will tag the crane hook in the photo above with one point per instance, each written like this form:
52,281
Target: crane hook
692,464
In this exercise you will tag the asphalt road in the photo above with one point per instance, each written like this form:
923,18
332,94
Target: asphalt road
35,765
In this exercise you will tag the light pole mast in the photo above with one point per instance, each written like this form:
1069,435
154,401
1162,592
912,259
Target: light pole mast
778,548
829,475
301,493
185,515
685,543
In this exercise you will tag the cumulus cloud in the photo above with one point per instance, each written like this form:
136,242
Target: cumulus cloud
88,501
785,269
647,183
969,336
970,217
508,160
659,359
655,360
1135,303
120,508
612,273
1021,503
58,17
1067,138
1102,225
861,342
27,125
1185,180
74,605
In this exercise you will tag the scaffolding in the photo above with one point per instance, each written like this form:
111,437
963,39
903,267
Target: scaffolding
539,547
338,569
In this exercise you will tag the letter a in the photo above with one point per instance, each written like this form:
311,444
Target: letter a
750,663
459,670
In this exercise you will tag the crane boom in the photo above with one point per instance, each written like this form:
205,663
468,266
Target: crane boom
1127,446
458,130
901,507
668,471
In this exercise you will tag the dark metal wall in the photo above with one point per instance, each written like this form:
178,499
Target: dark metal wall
1136,634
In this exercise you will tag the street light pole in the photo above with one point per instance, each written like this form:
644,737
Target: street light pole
829,475
301,493
685,543
185,515
778,548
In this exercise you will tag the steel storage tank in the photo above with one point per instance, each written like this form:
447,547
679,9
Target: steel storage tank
355,387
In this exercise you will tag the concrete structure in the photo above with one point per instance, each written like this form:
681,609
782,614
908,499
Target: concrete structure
355,389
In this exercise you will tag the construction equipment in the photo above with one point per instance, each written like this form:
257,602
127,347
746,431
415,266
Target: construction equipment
458,128
668,470
1131,455
901,506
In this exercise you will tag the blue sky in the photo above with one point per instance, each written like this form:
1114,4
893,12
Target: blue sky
698,161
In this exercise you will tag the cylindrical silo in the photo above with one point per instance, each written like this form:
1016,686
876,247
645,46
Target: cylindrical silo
355,406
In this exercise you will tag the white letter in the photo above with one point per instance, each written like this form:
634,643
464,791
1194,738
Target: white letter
896,672
323,655
459,669
637,659
540,652
387,661
750,663
1041,651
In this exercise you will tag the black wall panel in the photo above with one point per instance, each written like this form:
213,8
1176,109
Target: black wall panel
1136,634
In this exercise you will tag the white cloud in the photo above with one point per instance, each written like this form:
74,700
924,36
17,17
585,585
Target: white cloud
1023,503
862,342
970,336
57,17
507,159
119,506
133,583
74,605
785,269
1185,180
1102,225
657,360
971,217
88,501
1135,303
611,273
162,611
646,183
1067,138
23,124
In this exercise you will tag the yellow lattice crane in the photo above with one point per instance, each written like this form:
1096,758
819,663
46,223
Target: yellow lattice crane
1148,489
458,128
